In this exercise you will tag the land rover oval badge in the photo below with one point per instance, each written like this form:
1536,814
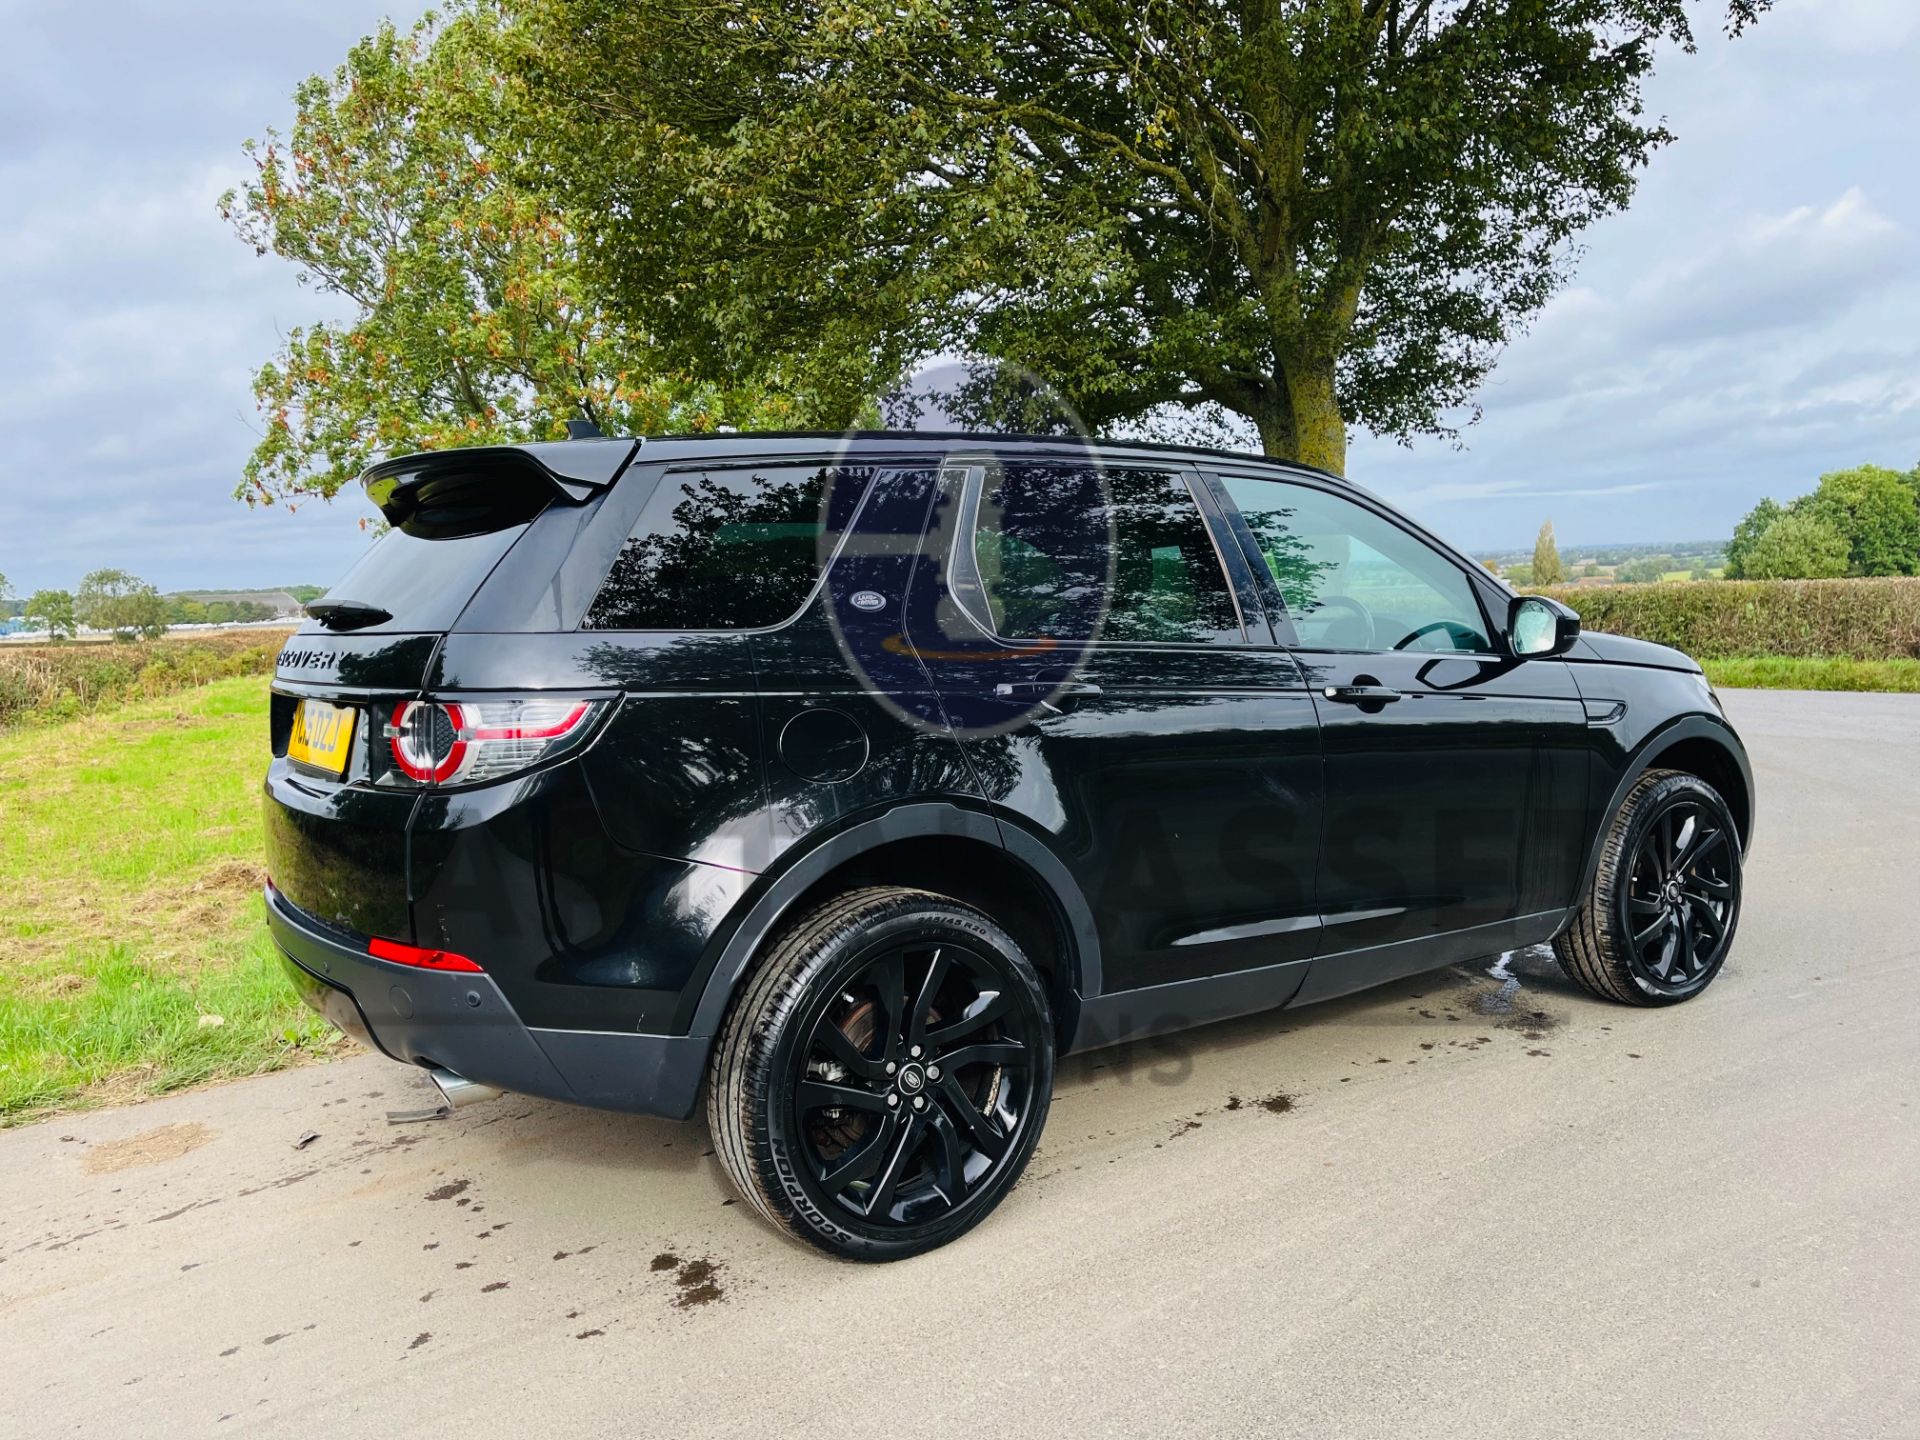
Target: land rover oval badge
868,600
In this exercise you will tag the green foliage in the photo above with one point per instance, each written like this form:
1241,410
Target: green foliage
471,321
1747,533
1306,214
125,604
52,611
1644,571
6,595
1546,569
1798,546
1777,673
1873,510
43,684
182,611
1812,619
1519,576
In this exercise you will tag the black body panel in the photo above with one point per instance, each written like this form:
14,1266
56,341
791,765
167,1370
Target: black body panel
1194,826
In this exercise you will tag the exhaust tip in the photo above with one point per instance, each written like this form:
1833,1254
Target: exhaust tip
458,1091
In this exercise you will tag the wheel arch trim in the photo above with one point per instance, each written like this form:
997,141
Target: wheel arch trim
1646,756
921,820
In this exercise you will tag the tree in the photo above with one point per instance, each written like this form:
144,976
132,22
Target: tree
6,595
1746,533
1647,570
1309,214
471,323
125,604
1873,509
51,611
1547,569
1797,546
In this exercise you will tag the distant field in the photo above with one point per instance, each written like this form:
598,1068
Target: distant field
42,684
133,955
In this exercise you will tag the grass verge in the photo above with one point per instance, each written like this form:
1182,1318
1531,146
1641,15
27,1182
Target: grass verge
133,956
1778,673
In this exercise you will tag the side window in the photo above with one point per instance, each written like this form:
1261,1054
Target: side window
1075,552
1354,581
722,549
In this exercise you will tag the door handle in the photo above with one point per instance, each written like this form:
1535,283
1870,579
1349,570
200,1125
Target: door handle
1047,689
1361,694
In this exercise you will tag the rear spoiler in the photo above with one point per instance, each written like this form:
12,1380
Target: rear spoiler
448,493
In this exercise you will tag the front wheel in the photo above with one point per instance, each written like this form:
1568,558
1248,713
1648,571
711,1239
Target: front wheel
882,1082
1659,918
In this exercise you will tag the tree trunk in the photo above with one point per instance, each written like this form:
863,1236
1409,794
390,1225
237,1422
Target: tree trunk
1298,417
1274,422
1319,431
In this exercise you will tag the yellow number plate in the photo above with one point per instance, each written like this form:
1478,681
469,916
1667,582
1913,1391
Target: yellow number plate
322,736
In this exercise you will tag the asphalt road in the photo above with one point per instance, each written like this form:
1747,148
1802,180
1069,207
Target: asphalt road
1458,1205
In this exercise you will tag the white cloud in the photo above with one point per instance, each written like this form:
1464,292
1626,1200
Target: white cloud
1772,273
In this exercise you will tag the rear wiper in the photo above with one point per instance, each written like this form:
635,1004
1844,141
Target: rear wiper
348,614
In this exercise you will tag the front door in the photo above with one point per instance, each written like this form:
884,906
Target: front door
1454,772
1091,653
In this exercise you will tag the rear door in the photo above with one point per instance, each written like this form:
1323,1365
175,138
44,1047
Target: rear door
1453,771
1091,653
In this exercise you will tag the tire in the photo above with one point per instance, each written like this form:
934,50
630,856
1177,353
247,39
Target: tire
1651,931
826,1119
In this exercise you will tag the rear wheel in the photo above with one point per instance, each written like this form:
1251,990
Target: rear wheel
1659,918
881,1083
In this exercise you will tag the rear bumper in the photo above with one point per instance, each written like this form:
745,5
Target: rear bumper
461,1022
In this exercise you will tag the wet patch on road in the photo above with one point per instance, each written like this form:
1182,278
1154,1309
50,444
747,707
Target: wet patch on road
697,1281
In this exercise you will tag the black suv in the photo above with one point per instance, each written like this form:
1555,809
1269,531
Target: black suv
852,779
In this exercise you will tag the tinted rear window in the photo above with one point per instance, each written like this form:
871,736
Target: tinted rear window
721,549
423,584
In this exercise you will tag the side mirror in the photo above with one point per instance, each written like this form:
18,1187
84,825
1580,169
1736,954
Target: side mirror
1538,626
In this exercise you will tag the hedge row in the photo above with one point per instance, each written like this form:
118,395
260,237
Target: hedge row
42,683
1725,619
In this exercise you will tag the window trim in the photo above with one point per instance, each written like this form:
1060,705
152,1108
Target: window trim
963,568
1269,590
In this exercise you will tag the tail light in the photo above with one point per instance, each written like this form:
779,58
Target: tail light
465,742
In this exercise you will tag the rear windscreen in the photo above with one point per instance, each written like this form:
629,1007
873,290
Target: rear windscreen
423,584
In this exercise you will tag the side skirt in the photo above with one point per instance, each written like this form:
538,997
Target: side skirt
1162,1009
1335,975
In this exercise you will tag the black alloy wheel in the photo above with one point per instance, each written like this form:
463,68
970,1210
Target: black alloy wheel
883,1082
917,1076
1680,896
1659,915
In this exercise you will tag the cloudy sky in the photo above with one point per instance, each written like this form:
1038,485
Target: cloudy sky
1752,321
